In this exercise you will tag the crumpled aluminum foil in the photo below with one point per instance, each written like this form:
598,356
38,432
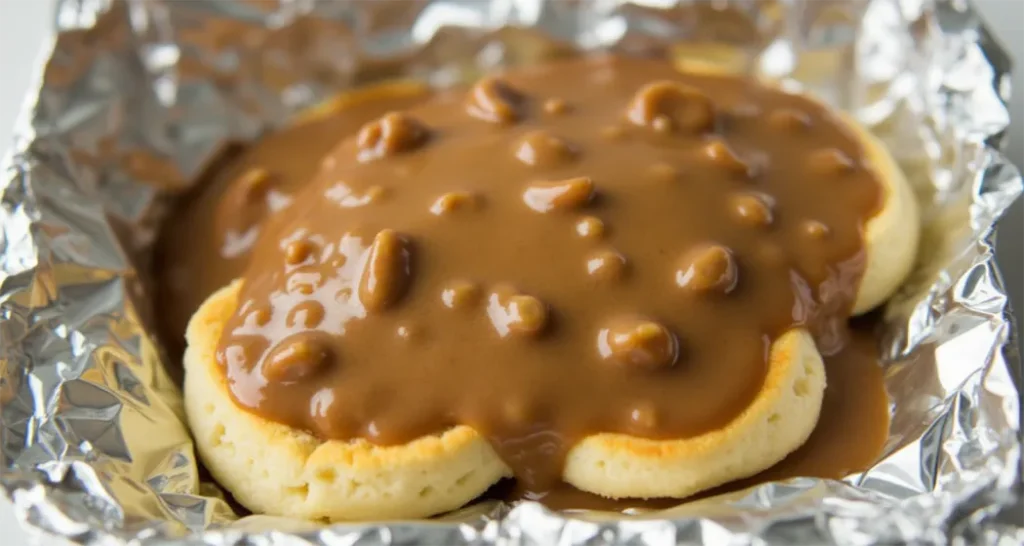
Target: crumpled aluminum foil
138,95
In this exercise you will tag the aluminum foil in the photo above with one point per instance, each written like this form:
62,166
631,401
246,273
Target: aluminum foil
137,96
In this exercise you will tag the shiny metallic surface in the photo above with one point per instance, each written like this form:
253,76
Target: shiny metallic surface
138,96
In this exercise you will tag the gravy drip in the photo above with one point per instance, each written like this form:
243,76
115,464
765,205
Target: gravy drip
601,245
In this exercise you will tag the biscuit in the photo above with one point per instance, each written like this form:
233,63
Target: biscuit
776,422
891,236
780,419
782,416
274,469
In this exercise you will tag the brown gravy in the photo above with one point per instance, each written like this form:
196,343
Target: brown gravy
543,264
206,241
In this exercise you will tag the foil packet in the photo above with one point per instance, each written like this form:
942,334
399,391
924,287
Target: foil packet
137,97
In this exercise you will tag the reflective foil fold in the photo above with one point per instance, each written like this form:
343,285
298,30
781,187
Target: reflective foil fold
137,97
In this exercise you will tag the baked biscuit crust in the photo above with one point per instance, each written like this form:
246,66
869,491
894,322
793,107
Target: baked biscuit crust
890,237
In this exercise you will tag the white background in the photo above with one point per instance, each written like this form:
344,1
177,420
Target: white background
24,26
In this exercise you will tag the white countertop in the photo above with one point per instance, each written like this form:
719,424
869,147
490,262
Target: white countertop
23,29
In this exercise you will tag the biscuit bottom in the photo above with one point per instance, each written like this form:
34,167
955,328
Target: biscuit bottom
273,469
